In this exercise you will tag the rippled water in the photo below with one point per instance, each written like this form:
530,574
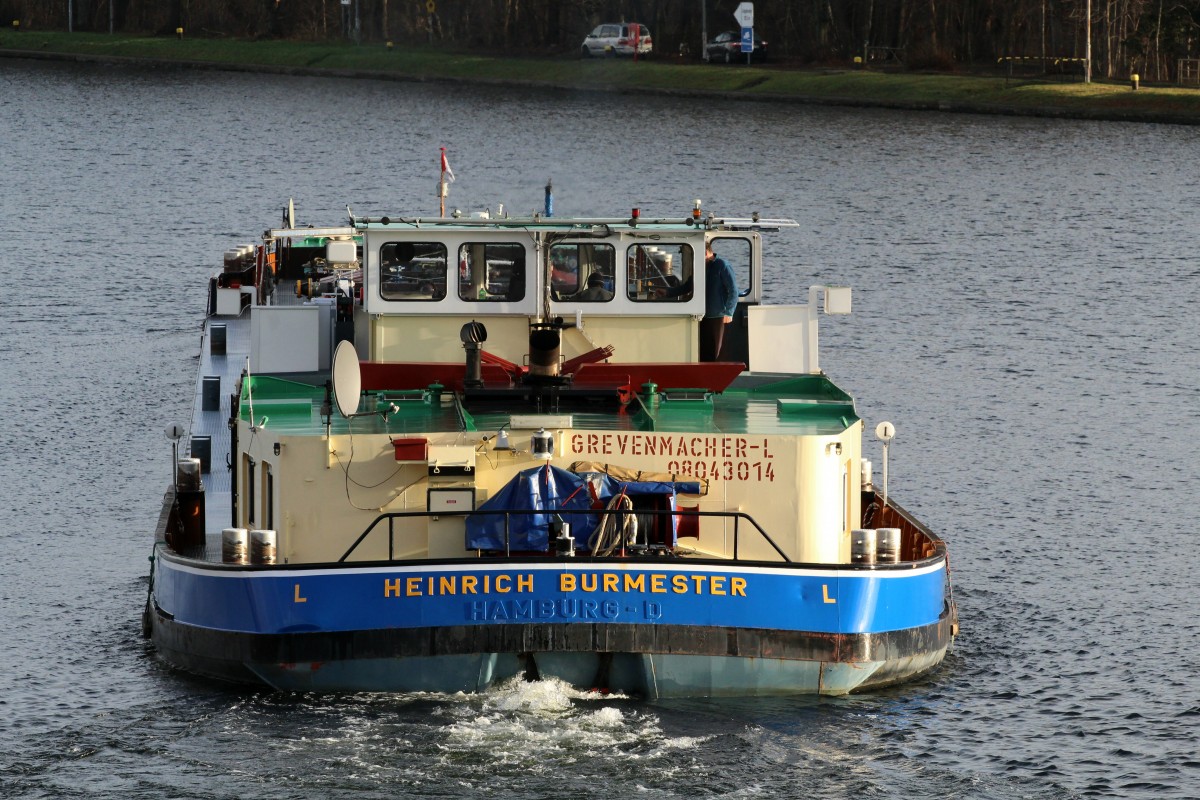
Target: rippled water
1023,312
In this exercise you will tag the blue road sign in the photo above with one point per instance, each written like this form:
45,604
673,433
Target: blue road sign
747,40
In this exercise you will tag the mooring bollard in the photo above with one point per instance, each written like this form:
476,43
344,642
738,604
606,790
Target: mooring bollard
1133,81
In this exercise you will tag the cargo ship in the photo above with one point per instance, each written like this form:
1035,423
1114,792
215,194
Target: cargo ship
434,454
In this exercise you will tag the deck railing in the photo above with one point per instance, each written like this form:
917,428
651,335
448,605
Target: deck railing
625,550
917,542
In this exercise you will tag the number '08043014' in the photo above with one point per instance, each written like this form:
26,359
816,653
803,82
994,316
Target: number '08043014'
758,471
709,457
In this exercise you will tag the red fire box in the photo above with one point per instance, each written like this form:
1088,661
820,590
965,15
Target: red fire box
415,449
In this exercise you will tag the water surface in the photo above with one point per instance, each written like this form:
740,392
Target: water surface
1024,294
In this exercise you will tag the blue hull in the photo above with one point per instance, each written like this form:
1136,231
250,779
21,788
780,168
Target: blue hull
652,628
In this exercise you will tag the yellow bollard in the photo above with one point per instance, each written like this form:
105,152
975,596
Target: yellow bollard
16,24
179,33
1133,80
389,45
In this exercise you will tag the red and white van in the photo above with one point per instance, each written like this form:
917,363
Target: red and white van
618,39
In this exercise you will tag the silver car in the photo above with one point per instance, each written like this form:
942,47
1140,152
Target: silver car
618,39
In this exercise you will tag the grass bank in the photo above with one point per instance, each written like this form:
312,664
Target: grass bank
1097,100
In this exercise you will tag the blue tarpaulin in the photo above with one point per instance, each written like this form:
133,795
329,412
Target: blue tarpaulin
551,491
544,489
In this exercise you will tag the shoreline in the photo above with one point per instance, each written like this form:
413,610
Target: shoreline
1090,102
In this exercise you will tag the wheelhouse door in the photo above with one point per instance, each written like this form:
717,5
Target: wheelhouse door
742,251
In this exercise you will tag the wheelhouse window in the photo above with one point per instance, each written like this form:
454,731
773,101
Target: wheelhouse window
736,253
412,271
660,273
491,272
582,273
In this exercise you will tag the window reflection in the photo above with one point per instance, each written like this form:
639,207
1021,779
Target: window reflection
736,253
491,272
413,271
660,273
582,273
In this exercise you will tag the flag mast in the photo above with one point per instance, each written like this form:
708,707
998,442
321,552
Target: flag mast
443,184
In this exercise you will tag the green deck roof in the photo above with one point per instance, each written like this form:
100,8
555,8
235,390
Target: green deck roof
805,405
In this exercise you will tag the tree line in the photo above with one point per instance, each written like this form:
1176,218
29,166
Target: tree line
1144,36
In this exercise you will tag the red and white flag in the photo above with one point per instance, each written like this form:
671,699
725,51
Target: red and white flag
446,171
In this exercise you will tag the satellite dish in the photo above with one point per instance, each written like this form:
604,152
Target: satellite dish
291,214
347,379
174,432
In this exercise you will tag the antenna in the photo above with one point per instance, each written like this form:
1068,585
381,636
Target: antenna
250,392
250,397
885,432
